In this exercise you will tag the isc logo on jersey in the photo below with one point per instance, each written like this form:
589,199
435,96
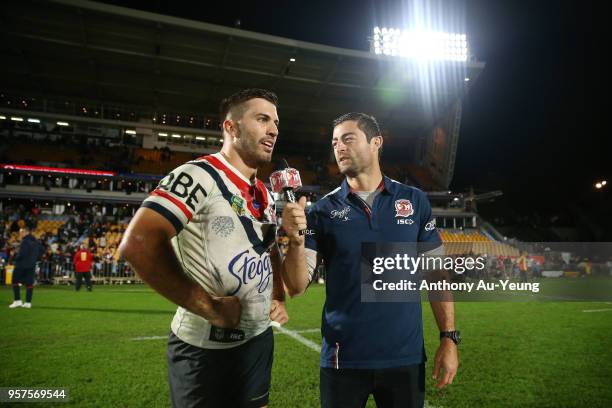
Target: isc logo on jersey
183,187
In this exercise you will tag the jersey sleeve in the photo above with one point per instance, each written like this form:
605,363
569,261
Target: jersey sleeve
181,194
313,230
429,237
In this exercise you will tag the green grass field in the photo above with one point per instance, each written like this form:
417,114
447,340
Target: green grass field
531,354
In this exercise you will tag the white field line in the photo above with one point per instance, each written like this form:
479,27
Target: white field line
597,310
301,331
149,338
299,338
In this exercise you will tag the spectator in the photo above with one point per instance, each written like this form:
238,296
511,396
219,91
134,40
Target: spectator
82,261
30,251
522,263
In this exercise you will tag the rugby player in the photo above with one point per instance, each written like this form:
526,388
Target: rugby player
202,239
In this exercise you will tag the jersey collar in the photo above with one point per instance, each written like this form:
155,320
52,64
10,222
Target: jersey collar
386,185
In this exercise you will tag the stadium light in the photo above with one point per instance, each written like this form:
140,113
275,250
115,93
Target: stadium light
130,132
16,119
2,117
424,45
176,136
32,120
598,185
200,138
162,134
63,124
291,59
604,182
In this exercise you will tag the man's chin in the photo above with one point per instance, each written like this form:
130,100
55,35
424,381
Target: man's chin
264,158
347,171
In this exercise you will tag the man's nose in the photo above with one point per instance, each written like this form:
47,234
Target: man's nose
340,147
273,130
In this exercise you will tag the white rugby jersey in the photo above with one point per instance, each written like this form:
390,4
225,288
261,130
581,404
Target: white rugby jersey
225,228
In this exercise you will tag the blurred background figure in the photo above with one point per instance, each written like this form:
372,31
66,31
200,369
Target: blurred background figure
83,259
29,252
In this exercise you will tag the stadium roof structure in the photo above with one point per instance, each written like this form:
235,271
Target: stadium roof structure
102,52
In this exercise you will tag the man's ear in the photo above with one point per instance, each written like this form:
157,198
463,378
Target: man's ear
229,127
378,141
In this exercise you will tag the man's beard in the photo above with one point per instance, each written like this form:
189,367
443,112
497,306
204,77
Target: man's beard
250,151
349,171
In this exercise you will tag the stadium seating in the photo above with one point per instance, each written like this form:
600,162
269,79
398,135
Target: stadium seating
47,226
466,241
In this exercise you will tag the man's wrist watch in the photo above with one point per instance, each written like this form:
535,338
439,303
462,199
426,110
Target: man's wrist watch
454,335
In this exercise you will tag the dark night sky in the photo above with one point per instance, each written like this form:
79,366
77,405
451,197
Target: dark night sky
532,124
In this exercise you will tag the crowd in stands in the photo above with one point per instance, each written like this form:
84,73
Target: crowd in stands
61,237
126,155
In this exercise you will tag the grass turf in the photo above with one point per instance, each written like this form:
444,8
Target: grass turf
531,354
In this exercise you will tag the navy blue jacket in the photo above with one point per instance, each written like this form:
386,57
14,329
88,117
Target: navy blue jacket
29,253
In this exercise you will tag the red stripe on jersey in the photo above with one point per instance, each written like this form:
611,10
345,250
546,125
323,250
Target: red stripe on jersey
180,205
261,195
263,192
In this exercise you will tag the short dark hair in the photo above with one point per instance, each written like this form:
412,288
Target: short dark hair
244,95
366,123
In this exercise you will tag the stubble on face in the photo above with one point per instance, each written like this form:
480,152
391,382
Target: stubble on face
355,155
254,141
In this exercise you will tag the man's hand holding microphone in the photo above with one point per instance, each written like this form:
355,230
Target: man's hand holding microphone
294,269
294,221
286,181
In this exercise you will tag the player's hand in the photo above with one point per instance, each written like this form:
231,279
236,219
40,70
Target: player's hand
225,312
447,360
294,220
278,312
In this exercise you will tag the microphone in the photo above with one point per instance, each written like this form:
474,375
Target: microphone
286,180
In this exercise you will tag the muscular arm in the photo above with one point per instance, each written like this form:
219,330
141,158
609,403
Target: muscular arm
278,311
446,359
444,313
146,246
278,289
295,269
442,304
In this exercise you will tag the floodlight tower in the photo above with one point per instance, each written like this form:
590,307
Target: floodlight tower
439,64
